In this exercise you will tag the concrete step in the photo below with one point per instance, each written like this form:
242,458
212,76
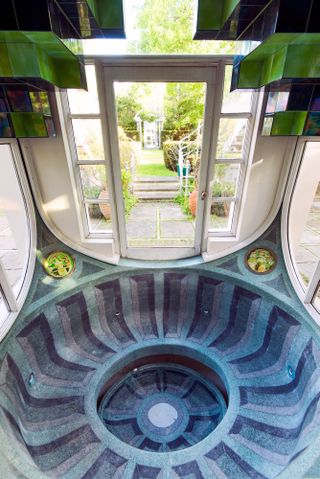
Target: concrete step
156,187
156,179
156,195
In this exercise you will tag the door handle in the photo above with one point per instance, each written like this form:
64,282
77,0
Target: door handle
204,195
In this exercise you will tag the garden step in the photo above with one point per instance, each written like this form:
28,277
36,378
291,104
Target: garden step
161,195
156,187
156,179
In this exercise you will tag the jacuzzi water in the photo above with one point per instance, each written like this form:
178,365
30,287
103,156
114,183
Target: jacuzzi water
162,407
198,373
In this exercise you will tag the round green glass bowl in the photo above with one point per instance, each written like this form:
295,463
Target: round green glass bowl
59,264
261,260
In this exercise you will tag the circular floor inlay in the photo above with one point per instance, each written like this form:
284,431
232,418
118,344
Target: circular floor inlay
162,408
261,260
59,264
162,414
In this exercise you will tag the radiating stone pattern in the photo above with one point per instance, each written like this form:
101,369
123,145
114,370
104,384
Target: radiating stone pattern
271,359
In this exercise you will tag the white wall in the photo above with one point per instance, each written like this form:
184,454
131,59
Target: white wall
263,195
47,166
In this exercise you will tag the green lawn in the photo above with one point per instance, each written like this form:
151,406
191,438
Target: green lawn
151,164
150,169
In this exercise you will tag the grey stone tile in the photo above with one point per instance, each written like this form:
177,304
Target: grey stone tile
141,229
143,211
172,212
176,229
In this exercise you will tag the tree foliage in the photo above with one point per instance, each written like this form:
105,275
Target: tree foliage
183,105
128,106
167,27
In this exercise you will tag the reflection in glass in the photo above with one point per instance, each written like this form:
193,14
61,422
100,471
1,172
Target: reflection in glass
236,101
94,180
14,223
221,215
3,308
99,217
88,138
304,220
85,102
316,300
231,137
225,180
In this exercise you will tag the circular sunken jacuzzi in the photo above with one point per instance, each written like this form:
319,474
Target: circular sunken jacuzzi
162,407
148,375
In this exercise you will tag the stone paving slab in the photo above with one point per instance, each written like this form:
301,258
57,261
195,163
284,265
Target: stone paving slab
176,229
141,229
143,211
172,213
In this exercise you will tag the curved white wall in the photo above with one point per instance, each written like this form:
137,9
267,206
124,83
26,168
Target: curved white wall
54,192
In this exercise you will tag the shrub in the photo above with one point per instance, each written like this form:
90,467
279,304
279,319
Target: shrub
174,135
171,155
132,134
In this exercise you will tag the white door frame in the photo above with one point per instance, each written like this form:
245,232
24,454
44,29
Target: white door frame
163,69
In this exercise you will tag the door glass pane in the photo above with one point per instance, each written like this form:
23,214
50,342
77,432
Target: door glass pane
221,216
82,101
316,300
160,138
236,101
305,214
14,229
99,217
94,181
3,308
88,139
231,137
225,180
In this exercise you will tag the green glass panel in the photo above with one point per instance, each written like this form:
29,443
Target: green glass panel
24,59
288,123
109,15
5,126
213,15
40,55
29,125
281,56
5,67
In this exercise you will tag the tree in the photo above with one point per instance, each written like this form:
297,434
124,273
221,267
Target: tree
167,26
183,106
127,108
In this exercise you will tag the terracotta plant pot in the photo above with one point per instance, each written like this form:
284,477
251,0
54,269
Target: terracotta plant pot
193,199
105,208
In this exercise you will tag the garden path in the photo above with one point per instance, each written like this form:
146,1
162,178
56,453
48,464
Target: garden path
159,224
